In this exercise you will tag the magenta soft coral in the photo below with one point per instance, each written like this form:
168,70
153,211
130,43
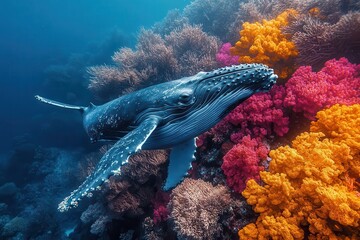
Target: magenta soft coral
262,115
337,82
224,57
161,212
242,162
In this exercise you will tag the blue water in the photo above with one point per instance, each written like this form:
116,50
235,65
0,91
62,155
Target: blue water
43,42
38,34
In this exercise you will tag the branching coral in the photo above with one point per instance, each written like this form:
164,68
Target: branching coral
130,194
256,10
307,188
151,62
96,215
195,207
213,15
124,194
264,42
337,82
194,50
318,41
156,59
172,21
242,162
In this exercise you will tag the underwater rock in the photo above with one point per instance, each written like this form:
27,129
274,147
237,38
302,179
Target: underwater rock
8,189
14,226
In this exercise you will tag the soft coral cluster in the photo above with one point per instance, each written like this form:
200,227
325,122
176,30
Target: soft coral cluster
242,162
307,188
224,57
337,82
266,43
262,115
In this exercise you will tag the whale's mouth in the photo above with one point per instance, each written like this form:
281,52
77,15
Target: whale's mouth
271,80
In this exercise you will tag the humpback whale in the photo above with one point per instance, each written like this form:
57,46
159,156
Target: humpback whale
166,115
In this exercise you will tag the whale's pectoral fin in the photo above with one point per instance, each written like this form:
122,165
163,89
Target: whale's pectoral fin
181,157
110,164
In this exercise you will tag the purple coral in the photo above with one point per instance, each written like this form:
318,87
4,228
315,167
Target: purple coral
224,57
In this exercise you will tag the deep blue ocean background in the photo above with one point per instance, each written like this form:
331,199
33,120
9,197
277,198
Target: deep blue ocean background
41,40
45,48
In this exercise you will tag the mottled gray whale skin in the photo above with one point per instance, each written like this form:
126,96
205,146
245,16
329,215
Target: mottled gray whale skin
167,115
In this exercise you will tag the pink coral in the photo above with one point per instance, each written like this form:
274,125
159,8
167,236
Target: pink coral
337,82
161,212
224,56
242,162
262,115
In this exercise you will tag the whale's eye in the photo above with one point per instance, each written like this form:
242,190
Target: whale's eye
185,98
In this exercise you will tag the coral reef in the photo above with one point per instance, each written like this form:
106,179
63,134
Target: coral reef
128,195
124,194
224,56
262,115
172,21
318,41
31,212
194,50
160,202
307,191
313,186
14,226
96,215
214,16
156,59
257,10
265,42
195,207
151,62
337,82
242,162
8,189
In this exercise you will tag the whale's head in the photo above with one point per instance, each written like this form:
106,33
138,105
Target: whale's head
232,85
220,89
194,104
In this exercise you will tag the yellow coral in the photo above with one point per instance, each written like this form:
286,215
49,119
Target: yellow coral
312,185
265,43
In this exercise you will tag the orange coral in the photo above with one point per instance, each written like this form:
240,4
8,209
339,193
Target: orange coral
265,43
312,186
